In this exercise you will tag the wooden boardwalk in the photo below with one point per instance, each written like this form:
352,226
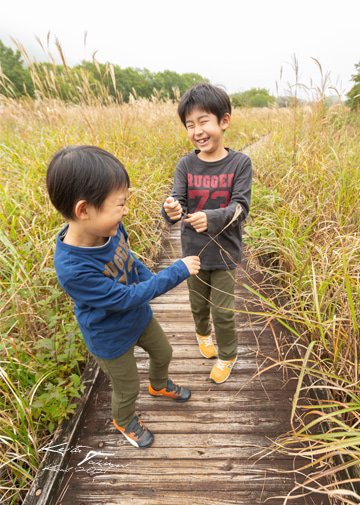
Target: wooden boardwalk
212,450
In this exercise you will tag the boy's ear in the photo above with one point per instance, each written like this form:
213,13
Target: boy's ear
81,210
225,121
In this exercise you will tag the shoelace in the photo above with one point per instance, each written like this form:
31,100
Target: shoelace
139,429
173,387
207,341
221,364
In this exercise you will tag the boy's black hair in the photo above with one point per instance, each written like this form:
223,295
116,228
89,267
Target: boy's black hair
206,97
83,173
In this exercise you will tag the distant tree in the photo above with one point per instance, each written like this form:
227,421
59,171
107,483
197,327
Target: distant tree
237,100
53,81
137,79
88,80
164,82
99,79
167,81
354,94
18,79
188,80
252,98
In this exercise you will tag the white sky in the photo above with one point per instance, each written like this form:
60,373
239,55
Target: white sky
235,43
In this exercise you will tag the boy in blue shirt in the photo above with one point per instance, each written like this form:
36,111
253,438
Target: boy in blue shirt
211,195
110,287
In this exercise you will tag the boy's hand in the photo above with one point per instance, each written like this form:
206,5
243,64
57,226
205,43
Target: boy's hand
198,221
173,209
192,263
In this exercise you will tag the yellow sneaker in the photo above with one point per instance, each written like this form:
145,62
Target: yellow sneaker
206,346
221,371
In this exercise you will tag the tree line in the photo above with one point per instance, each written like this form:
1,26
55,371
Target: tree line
90,79
103,80
62,82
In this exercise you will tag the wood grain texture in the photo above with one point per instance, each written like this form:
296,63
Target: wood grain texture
215,449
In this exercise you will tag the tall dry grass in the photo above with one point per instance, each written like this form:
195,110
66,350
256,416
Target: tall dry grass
41,351
304,226
305,231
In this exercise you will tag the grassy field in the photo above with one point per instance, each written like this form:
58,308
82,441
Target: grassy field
42,352
304,228
305,232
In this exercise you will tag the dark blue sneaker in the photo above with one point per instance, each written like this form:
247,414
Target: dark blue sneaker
136,433
173,391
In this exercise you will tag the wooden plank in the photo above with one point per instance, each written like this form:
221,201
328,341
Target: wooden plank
215,449
151,496
206,482
191,351
224,467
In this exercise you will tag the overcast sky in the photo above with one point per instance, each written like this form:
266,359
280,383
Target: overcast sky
234,43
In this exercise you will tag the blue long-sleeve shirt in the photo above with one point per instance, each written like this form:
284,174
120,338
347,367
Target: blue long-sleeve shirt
111,290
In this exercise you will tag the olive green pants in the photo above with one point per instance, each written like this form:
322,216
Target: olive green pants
123,373
212,291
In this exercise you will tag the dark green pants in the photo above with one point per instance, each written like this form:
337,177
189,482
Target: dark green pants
123,372
212,291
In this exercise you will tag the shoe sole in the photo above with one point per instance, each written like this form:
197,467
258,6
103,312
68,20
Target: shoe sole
135,444
180,400
220,382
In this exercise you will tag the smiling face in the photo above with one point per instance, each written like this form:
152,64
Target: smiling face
104,222
92,226
206,134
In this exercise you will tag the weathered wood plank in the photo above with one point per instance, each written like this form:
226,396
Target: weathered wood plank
247,366
151,496
215,449
225,467
199,482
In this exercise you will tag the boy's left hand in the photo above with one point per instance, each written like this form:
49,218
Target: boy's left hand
198,220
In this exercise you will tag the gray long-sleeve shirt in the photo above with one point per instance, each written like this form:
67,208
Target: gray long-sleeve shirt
216,188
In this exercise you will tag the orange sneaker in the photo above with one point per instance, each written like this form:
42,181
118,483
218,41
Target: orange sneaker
173,391
222,369
206,346
136,433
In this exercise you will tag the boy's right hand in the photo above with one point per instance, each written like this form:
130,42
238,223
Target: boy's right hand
173,209
192,263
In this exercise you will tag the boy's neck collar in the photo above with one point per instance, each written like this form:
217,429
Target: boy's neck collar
210,159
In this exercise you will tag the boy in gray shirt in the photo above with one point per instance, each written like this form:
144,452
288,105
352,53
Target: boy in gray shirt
211,195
